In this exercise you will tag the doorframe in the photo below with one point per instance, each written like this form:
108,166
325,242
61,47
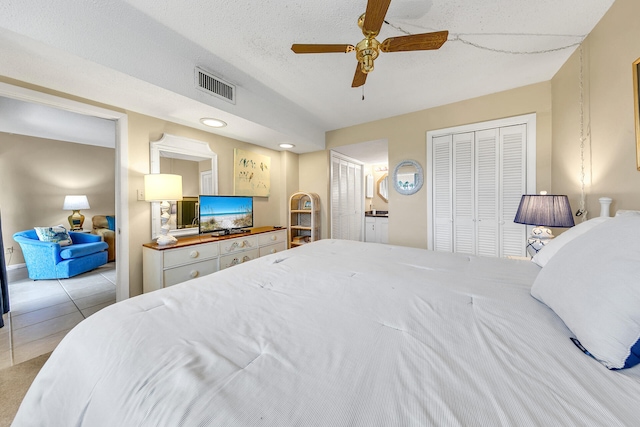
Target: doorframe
121,172
527,119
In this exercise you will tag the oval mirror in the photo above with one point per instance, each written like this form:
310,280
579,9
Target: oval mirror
383,187
407,177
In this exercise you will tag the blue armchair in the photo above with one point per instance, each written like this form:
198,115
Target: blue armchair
46,260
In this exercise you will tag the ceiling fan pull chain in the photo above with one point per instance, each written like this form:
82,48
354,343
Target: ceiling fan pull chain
363,92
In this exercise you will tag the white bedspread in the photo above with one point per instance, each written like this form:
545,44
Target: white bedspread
328,334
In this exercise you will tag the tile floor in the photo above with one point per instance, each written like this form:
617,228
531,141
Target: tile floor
43,311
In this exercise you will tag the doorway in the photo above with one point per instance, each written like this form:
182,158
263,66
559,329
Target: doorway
121,165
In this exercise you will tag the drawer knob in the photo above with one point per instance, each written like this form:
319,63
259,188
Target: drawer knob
194,274
273,251
274,237
194,254
246,258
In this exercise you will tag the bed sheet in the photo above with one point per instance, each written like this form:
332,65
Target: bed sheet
333,333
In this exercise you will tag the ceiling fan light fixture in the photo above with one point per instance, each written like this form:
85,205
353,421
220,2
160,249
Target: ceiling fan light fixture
367,64
211,122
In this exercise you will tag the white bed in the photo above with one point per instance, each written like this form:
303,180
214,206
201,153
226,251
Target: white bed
333,333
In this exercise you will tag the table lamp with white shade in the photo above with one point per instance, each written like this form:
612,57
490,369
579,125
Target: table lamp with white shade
162,187
75,203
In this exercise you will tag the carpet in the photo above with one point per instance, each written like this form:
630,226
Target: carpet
14,383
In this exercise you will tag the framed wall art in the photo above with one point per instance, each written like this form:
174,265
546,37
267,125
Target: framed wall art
251,174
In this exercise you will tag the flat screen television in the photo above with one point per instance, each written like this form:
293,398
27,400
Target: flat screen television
224,213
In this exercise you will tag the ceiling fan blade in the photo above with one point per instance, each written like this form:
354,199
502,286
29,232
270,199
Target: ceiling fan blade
359,78
374,16
426,41
322,48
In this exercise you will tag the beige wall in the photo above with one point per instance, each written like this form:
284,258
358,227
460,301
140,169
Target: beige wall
610,148
406,137
314,178
36,174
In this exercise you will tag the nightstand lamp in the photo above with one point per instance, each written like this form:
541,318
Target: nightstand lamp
75,203
543,211
162,187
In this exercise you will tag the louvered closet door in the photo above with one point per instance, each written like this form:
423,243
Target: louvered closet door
464,229
487,193
442,194
346,199
513,186
357,218
478,179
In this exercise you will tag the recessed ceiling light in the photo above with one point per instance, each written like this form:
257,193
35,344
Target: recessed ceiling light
214,123
285,145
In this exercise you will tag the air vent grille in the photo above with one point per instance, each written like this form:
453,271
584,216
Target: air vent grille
215,86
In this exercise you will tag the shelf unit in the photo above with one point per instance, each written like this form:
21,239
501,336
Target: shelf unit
304,218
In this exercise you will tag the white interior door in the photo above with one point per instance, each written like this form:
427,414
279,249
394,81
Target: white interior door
347,214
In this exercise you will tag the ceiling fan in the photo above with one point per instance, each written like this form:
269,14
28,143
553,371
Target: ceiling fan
367,50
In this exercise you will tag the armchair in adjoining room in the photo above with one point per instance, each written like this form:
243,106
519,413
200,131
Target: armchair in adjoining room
105,226
49,260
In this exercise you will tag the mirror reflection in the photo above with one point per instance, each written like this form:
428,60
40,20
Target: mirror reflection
198,166
407,177
383,187
184,213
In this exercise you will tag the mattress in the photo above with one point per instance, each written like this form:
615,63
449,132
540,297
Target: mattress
333,333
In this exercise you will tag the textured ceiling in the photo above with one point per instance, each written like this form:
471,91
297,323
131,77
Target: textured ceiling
141,55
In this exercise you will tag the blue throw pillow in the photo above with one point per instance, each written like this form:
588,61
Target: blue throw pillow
111,220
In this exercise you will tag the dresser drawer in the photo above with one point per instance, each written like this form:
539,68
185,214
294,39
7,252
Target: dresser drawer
272,249
238,244
173,257
270,238
227,261
176,275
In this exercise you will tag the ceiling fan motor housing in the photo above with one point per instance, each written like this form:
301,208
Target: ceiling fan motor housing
366,51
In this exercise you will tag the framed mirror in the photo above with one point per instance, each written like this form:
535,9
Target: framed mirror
408,177
192,158
383,187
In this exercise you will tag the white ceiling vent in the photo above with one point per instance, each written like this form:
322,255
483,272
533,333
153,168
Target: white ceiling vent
215,86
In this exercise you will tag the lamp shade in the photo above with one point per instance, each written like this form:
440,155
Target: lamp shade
159,187
544,210
74,203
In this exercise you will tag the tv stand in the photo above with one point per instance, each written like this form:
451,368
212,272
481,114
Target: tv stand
194,256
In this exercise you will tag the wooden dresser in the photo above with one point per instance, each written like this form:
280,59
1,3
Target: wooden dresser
195,256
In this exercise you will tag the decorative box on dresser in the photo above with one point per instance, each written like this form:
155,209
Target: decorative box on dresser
195,256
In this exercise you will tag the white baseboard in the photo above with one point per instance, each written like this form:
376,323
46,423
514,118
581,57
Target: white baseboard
16,266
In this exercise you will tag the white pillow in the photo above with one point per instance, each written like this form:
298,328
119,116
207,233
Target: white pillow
550,249
593,285
626,212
